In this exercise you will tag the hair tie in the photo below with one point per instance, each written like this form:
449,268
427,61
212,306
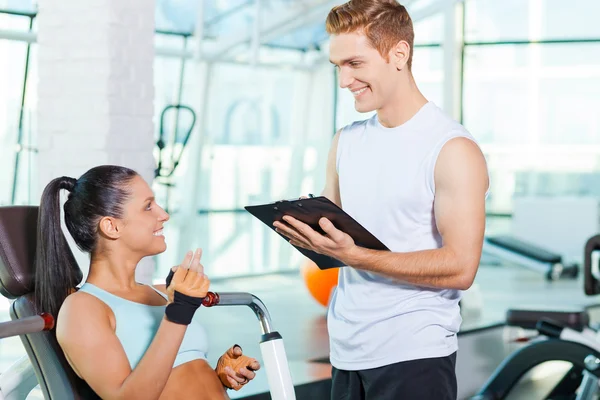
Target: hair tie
68,183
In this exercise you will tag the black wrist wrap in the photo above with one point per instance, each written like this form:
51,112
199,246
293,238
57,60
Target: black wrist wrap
170,277
182,309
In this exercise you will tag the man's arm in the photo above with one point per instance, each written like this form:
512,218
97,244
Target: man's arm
332,184
461,181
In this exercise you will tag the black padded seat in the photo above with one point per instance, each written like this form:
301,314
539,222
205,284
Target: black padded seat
18,227
528,319
525,249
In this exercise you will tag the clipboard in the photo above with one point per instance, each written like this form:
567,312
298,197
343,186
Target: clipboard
309,211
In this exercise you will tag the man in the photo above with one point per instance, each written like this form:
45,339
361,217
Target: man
417,180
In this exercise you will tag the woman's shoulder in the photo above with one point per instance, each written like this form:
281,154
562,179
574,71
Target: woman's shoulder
80,307
79,299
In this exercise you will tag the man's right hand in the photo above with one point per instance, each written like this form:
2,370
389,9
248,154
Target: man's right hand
188,278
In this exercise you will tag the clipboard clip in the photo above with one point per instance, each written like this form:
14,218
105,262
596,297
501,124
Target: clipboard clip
310,196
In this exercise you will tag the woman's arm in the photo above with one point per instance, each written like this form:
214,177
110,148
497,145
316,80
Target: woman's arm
85,334
87,337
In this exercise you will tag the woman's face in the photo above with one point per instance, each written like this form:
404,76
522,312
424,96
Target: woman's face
143,220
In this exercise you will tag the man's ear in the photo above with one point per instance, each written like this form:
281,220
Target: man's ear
399,55
110,227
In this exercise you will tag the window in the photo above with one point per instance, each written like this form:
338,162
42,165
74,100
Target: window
12,74
509,20
531,100
262,141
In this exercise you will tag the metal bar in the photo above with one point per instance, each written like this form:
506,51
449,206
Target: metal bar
177,53
27,325
30,14
277,28
335,100
256,34
451,59
285,47
19,36
423,45
498,215
542,41
21,113
227,13
242,299
199,31
173,33
223,211
179,93
462,67
186,219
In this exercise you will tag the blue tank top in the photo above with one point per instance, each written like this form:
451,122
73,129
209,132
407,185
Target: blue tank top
136,326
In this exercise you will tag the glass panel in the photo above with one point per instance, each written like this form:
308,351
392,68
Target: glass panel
573,19
257,146
416,5
534,109
430,30
306,37
492,20
177,15
18,5
429,73
12,69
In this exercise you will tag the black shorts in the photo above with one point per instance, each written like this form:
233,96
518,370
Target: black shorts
424,379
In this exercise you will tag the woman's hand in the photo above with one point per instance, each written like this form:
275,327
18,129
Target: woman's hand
188,278
235,369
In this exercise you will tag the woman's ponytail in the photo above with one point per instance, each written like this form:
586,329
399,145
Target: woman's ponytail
56,270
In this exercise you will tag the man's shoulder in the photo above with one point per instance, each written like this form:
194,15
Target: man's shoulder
357,124
446,124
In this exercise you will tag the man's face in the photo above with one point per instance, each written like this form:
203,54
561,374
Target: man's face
362,70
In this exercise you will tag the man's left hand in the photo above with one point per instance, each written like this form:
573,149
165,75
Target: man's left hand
334,243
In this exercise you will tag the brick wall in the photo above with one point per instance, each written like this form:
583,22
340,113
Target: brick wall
95,89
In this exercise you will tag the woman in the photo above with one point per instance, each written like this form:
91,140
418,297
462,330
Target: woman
125,339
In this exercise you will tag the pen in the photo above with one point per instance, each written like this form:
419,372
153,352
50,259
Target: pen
311,195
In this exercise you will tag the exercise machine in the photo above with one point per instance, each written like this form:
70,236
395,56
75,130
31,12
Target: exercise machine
171,148
563,336
271,344
531,256
16,383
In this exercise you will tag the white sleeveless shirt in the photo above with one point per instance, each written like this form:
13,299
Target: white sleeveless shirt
386,179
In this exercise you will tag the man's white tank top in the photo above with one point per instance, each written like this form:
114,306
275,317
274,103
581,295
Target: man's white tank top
386,179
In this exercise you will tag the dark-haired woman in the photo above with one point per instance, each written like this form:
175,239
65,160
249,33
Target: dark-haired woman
125,339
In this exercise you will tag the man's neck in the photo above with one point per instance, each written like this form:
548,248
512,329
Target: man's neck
401,108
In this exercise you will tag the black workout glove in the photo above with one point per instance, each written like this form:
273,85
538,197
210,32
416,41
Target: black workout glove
182,309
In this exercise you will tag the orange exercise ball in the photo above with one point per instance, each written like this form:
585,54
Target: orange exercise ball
320,283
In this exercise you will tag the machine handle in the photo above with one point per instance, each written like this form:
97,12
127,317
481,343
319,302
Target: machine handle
549,328
271,345
241,299
591,285
24,326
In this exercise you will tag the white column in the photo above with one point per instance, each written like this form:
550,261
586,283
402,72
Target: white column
95,90
452,58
